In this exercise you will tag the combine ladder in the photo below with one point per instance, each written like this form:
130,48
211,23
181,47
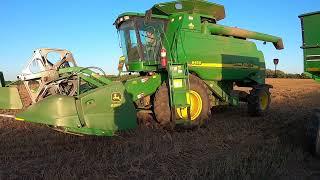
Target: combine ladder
179,90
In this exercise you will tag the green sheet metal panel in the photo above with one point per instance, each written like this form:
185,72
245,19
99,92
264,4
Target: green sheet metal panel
10,98
55,110
102,111
108,108
311,42
219,58
143,86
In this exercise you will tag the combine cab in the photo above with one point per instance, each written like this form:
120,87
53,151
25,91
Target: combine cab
187,64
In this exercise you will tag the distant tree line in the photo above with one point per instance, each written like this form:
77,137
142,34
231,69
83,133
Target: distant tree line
280,74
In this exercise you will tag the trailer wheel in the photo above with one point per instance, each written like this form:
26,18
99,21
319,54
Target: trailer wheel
200,108
161,106
312,133
258,101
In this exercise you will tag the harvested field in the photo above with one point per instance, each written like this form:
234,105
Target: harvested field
234,146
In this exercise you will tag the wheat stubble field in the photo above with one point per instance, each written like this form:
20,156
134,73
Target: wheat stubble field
233,146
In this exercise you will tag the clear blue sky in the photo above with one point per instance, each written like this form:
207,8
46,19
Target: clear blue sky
85,28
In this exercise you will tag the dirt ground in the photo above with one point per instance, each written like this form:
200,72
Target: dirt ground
233,146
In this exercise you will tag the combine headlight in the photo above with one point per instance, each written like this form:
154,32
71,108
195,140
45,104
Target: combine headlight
122,19
178,83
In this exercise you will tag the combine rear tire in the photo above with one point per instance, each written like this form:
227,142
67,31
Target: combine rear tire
258,101
313,130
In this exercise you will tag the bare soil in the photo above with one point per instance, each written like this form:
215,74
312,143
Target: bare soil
233,146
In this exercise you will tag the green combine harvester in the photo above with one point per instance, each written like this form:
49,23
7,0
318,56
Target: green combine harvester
182,63
311,50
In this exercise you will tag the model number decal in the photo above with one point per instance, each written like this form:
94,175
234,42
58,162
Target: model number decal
196,62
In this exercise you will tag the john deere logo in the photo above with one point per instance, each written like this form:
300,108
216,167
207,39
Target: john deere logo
116,97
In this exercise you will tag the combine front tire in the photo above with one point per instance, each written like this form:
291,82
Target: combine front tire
258,101
161,105
200,109
313,130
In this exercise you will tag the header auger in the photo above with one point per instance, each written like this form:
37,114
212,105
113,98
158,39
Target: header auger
186,62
